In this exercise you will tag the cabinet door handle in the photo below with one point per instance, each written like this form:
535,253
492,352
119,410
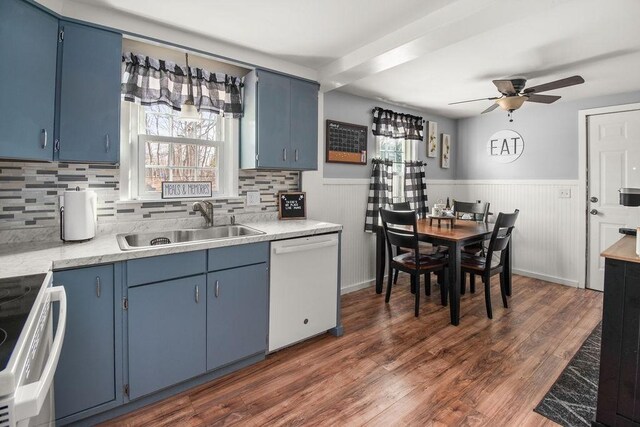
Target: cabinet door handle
44,138
98,287
217,290
284,154
296,154
197,294
107,143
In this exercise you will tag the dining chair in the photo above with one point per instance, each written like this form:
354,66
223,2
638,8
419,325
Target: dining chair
425,247
412,262
489,265
472,211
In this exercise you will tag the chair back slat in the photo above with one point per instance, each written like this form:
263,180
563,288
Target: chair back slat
480,211
401,206
501,235
400,237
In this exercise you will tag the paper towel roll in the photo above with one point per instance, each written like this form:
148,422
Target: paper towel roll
79,215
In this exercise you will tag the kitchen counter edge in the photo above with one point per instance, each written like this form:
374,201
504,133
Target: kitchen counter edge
40,257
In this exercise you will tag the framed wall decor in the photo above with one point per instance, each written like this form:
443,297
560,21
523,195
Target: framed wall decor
445,159
346,143
432,138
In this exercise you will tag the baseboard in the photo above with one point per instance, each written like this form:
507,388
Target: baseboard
547,278
357,286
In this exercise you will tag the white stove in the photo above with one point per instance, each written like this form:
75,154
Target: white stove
28,352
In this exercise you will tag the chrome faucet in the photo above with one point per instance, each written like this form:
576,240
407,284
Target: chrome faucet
206,209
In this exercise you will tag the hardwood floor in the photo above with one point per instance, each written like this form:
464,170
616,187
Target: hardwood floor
391,368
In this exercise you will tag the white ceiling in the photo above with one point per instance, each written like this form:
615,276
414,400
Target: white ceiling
422,54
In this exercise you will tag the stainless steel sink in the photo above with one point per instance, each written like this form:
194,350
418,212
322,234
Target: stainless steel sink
181,237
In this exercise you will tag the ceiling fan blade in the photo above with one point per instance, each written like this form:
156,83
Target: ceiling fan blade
488,110
474,100
505,87
569,81
543,99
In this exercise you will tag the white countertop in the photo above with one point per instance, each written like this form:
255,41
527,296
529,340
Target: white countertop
40,257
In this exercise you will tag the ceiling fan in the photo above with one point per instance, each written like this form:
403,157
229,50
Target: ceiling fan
514,94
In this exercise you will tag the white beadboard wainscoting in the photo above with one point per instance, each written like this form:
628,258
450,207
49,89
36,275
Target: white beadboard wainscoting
344,201
545,238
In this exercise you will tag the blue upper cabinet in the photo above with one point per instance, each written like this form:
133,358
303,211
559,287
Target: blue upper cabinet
89,99
304,124
280,123
28,43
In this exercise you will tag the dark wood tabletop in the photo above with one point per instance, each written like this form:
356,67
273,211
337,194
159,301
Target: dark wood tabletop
462,230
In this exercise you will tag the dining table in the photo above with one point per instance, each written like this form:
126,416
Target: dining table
462,233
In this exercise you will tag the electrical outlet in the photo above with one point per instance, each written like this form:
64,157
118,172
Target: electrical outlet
565,193
253,198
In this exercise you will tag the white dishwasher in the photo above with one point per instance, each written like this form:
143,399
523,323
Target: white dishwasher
303,288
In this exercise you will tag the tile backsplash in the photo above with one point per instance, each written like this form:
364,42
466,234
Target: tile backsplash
29,194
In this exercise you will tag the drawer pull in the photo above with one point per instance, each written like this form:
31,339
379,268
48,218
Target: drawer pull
217,290
197,294
98,287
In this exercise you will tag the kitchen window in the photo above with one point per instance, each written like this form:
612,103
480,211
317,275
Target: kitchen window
398,150
166,148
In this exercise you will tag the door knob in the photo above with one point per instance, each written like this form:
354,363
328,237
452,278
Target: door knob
594,199
593,211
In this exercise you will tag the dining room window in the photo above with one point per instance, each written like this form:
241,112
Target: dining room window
399,151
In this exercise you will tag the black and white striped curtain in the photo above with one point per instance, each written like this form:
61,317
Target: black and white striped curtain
152,81
397,125
415,187
380,192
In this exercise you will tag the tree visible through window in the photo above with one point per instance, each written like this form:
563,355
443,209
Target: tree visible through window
177,150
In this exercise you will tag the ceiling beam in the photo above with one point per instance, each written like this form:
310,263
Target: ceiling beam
455,22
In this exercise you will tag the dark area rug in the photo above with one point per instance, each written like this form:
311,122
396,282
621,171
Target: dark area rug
571,401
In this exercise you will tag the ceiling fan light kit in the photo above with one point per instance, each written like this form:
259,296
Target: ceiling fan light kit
514,94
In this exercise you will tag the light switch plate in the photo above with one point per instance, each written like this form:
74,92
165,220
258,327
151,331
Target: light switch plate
253,198
565,193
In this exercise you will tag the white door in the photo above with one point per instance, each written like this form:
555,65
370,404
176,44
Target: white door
614,163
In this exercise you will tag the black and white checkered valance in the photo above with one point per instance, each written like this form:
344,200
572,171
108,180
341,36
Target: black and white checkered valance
397,125
380,192
152,81
415,187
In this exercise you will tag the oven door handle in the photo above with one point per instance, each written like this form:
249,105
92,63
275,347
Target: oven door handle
28,399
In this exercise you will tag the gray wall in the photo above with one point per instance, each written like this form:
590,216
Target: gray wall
357,110
550,134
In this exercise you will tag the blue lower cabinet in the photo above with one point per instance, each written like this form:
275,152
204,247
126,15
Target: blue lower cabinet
236,314
167,333
86,373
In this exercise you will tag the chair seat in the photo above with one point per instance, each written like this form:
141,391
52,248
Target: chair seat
477,263
427,262
474,249
427,249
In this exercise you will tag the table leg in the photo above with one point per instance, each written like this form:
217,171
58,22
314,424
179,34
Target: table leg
507,268
454,282
380,259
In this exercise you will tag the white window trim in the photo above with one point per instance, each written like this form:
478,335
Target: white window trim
410,153
143,138
131,115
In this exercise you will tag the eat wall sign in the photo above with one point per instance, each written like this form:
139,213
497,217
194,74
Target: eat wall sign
505,146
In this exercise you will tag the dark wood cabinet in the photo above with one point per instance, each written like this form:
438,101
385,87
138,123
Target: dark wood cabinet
619,385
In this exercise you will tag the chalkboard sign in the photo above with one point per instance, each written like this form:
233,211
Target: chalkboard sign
292,205
346,143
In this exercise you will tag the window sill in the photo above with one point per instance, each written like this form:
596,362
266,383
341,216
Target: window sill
191,199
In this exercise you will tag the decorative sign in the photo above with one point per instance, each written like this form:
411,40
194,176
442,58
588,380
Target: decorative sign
346,143
292,205
505,146
186,189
